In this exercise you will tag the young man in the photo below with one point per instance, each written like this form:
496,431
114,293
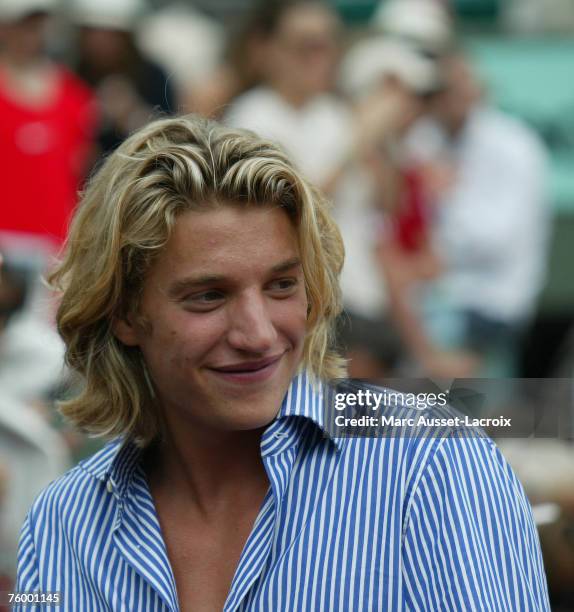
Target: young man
199,295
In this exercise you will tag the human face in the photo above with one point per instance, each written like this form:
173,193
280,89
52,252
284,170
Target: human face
304,51
24,40
104,49
462,92
226,309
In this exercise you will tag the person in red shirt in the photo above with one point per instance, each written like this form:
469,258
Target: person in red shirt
47,121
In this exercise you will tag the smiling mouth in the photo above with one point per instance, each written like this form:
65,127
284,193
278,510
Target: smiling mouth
249,371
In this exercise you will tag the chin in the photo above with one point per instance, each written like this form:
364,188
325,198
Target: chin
246,418
252,411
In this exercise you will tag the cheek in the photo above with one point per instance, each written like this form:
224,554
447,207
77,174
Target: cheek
183,341
198,336
291,319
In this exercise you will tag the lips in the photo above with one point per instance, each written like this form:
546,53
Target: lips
248,371
248,366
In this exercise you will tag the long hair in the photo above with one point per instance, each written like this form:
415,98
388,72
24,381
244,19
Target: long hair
123,222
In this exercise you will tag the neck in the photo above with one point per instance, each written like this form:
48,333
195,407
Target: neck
294,97
22,61
208,468
455,127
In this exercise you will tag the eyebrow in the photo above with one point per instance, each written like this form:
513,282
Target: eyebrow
185,284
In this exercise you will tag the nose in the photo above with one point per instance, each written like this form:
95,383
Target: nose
250,326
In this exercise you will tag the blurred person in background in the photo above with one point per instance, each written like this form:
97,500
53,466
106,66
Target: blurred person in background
47,119
425,25
190,45
383,212
488,172
130,87
31,352
47,122
32,454
533,16
294,105
244,63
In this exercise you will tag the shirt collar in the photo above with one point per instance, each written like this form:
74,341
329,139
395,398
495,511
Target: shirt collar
307,397
115,464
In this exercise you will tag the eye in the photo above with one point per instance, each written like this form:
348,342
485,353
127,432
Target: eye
283,287
204,300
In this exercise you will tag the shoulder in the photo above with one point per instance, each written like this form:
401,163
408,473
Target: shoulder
508,135
69,524
260,104
415,458
424,445
470,511
256,96
416,422
471,460
465,477
332,121
333,106
74,497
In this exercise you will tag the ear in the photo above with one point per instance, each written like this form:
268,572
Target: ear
125,331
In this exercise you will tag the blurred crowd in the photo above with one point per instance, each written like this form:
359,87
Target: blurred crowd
442,199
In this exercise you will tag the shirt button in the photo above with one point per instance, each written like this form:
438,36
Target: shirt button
110,486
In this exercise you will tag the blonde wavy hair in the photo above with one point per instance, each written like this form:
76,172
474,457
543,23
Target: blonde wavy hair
124,221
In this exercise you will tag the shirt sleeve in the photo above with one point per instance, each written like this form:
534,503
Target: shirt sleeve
469,539
27,579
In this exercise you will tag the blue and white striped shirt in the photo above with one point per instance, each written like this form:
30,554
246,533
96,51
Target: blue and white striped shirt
364,524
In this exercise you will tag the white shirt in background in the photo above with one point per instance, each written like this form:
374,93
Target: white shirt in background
32,454
493,222
316,136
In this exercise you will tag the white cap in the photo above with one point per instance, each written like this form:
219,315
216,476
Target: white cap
370,61
107,14
14,10
185,41
426,22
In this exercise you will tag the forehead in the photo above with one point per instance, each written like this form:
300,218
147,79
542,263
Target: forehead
308,21
227,241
